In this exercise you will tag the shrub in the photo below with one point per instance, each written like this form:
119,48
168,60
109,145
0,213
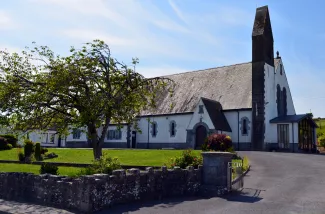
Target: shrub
187,158
11,139
28,148
49,169
51,155
8,146
217,142
84,171
322,141
3,143
44,150
38,151
21,156
245,163
104,165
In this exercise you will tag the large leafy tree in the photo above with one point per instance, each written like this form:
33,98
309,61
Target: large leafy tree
88,88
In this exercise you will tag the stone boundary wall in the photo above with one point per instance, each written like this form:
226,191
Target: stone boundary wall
91,193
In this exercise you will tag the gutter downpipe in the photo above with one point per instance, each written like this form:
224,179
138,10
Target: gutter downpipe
293,139
148,134
238,130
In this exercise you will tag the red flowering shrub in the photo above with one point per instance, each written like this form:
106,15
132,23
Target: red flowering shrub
217,142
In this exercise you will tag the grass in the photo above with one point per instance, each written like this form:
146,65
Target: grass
135,157
245,165
8,167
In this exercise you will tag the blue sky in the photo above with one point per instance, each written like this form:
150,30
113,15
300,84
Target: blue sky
172,36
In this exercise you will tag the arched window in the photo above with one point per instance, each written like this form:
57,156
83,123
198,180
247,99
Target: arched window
172,128
154,129
284,101
244,126
281,68
278,99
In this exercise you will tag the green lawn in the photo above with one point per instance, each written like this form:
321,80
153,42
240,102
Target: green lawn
127,157
8,167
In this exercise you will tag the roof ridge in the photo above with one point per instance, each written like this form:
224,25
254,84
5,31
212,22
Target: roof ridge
205,69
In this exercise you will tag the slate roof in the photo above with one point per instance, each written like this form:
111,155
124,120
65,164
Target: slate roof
229,85
293,119
217,117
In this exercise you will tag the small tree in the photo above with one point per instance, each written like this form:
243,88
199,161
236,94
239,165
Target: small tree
89,88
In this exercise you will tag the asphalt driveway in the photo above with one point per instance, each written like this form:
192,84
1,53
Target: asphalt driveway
277,183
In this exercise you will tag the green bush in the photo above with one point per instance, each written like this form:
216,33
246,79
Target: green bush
8,146
245,163
12,139
217,142
38,151
21,156
85,171
322,141
47,168
44,150
29,148
187,158
4,145
105,165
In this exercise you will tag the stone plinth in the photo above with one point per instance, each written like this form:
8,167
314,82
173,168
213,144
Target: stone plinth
215,168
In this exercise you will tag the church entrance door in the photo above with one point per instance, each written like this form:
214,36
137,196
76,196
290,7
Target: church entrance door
201,134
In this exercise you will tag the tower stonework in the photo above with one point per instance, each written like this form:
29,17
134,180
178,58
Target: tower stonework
262,53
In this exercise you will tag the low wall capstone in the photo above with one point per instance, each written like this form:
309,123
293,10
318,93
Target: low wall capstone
91,193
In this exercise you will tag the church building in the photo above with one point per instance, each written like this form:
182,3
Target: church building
251,102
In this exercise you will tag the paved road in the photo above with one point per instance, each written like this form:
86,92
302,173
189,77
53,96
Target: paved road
277,183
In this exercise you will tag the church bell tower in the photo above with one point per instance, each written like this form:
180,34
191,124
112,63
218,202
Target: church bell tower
262,53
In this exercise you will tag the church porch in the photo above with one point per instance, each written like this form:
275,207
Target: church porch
295,133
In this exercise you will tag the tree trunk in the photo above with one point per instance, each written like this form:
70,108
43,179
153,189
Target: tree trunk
98,141
97,152
93,137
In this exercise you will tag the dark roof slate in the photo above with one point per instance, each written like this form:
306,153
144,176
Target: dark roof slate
293,119
230,85
217,117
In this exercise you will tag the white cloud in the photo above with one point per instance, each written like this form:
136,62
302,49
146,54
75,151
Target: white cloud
6,21
178,12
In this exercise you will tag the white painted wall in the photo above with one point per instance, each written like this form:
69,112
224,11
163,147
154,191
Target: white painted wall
272,79
44,137
196,117
232,117
163,134
83,136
